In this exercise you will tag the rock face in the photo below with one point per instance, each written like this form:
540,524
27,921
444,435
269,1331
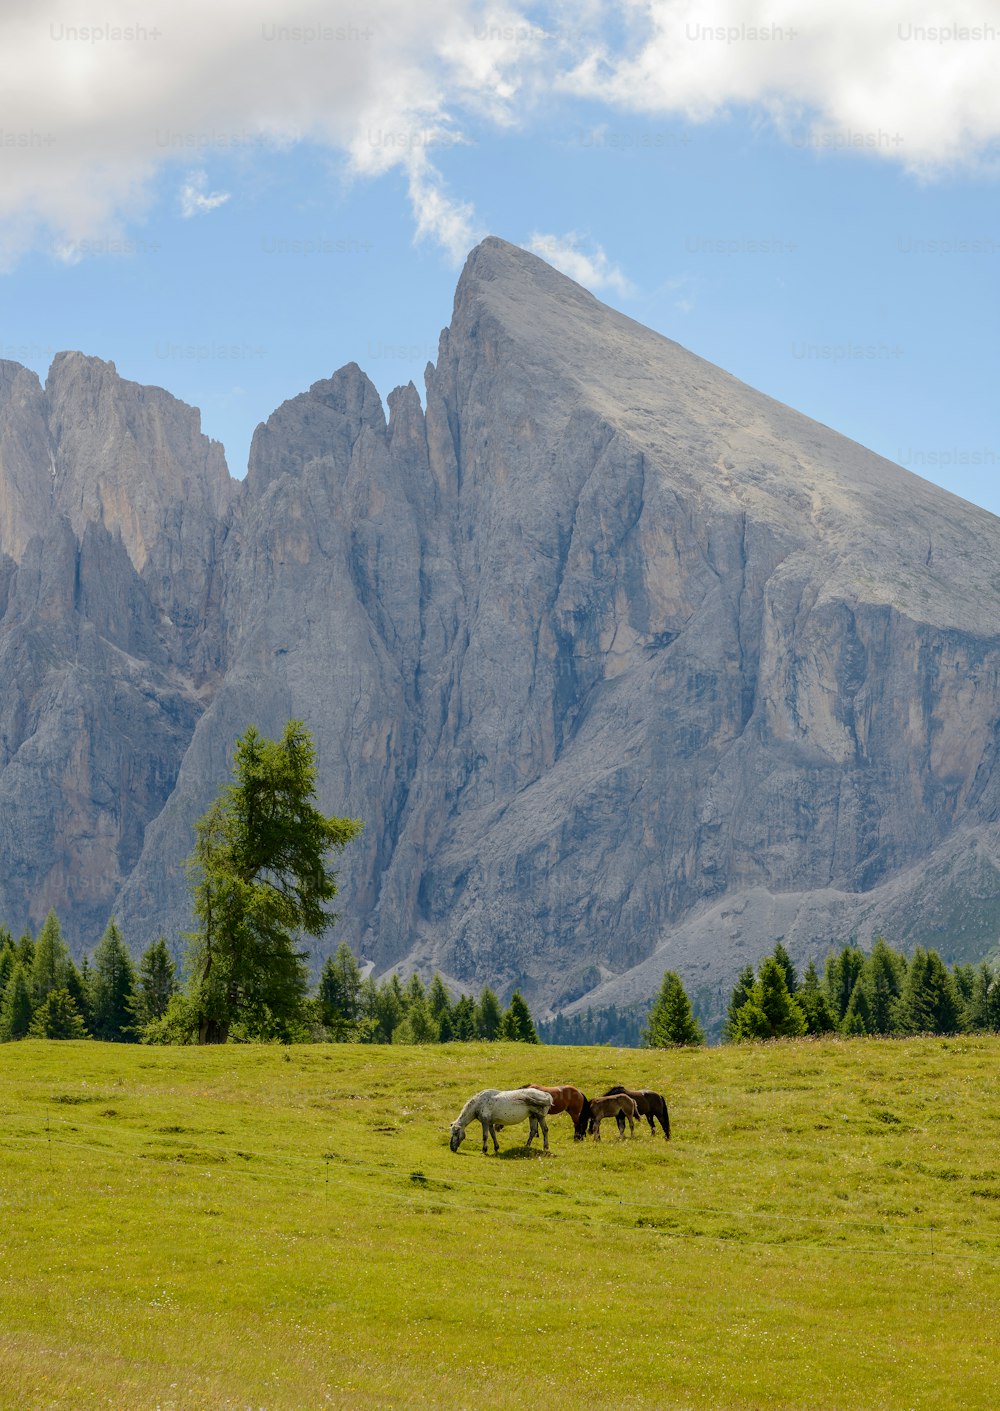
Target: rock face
110,505
624,665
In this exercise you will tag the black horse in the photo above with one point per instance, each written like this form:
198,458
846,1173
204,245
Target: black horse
652,1106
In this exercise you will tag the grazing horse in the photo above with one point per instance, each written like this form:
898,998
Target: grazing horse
495,1108
617,1105
651,1106
571,1100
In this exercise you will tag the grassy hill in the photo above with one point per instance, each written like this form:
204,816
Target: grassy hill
286,1230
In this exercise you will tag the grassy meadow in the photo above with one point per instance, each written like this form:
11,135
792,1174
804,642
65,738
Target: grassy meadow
285,1229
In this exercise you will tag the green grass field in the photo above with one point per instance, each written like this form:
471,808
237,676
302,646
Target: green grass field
270,1229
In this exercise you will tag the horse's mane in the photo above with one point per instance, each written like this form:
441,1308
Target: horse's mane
471,1108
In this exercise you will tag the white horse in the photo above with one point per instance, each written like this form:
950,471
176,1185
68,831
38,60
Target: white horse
495,1108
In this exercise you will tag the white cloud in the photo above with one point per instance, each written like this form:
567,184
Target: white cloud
100,97
594,270
195,201
913,81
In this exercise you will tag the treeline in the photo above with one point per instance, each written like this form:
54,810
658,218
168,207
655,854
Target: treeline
350,1009
881,992
44,994
616,1027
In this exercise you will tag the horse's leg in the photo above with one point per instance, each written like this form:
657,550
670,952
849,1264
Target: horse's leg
652,1123
532,1128
597,1129
631,1125
545,1133
620,1119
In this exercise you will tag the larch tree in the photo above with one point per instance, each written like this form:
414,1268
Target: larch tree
50,961
262,879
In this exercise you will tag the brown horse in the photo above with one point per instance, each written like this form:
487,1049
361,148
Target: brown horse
652,1106
616,1105
571,1100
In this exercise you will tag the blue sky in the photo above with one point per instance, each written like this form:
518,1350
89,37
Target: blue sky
805,195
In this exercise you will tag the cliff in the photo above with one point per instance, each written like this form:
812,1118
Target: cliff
624,664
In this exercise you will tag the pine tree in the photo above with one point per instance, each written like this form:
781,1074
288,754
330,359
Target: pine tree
811,999
340,992
670,1020
464,1018
742,991
771,994
418,1025
785,961
857,1018
439,999
964,978
882,976
391,1008
749,1022
8,959
770,1012
415,991
80,985
26,952
156,983
488,1016
50,962
517,1026
57,1017
929,1003
15,1012
842,973
446,1029
981,1012
112,988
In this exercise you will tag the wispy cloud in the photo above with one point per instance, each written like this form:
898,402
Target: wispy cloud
593,270
195,200
439,217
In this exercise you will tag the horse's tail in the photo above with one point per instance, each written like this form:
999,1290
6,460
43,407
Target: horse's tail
665,1118
585,1118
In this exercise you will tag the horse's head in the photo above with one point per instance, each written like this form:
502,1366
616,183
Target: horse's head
457,1136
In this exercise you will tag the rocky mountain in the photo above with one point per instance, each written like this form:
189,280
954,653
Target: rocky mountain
625,665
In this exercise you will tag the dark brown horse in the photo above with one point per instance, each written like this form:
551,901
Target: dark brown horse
571,1100
652,1106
